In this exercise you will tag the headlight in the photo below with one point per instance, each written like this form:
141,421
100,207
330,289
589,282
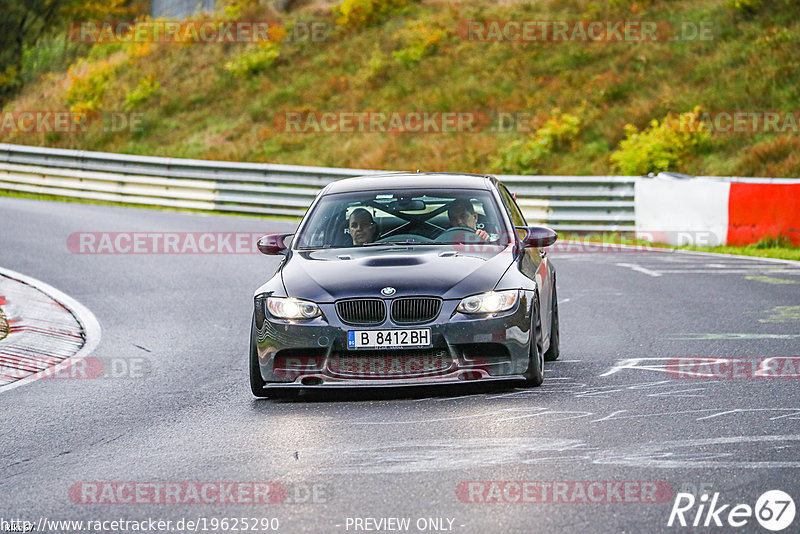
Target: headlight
288,308
491,302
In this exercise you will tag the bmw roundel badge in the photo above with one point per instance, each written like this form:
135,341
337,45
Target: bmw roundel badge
388,291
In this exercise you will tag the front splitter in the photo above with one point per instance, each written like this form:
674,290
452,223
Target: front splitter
326,382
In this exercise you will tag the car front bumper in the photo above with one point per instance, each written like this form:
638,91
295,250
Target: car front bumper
314,354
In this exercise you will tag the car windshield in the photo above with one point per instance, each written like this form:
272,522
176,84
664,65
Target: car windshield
415,216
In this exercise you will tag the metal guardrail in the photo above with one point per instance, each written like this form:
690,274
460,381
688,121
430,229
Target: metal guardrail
566,203
179,8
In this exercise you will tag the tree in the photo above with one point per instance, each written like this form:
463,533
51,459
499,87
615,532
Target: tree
24,23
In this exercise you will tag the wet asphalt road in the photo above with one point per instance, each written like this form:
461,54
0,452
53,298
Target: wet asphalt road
608,410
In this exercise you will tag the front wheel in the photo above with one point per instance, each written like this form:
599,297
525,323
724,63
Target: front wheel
256,381
534,376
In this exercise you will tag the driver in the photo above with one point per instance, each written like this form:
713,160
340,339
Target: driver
461,213
362,227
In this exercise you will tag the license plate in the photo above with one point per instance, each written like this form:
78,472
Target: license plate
385,339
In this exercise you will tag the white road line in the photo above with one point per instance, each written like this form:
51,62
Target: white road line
716,255
639,269
633,363
710,336
678,393
513,394
771,270
609,416
454,398
720,256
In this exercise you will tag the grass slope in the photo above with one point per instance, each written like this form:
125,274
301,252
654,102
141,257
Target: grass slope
192,106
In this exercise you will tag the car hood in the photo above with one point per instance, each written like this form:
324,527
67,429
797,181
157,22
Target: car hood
333,274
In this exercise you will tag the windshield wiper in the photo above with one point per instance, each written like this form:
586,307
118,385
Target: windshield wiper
406,242
388,243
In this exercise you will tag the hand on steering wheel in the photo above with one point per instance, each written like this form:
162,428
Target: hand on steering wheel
480,233
457,228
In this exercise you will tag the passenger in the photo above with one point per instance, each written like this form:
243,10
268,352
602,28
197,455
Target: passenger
461,213
363,228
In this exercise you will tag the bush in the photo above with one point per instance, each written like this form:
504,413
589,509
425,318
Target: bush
660,147
744,6
375,68
423,41
146,88
232,9
88,83
525,155
50,54
256,59
356,14
101,50
10,82
751,7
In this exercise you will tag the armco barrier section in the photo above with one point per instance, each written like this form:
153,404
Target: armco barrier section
710,211
179,8
566,203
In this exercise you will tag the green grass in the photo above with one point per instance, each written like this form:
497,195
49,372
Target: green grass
204,111
779,253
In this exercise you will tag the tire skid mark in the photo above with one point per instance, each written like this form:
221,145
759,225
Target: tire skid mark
431,455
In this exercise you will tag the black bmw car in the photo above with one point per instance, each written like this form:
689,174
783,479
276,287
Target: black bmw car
406,279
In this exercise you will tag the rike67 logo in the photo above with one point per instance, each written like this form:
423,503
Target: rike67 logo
774,510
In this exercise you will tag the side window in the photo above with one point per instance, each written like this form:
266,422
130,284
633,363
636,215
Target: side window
516,215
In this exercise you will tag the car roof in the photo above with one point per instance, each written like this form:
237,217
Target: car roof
409,180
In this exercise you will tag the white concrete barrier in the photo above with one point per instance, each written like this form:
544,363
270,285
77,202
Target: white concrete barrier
708,211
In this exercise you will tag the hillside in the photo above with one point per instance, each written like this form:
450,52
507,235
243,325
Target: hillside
571,99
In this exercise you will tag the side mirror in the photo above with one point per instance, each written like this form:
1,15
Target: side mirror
272,244
537,236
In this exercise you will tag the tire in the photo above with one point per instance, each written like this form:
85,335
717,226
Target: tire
256,382
534,376
554,350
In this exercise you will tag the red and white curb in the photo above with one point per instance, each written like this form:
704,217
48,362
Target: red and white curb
47,329
716,211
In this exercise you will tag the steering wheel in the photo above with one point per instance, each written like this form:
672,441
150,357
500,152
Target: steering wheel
455,229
